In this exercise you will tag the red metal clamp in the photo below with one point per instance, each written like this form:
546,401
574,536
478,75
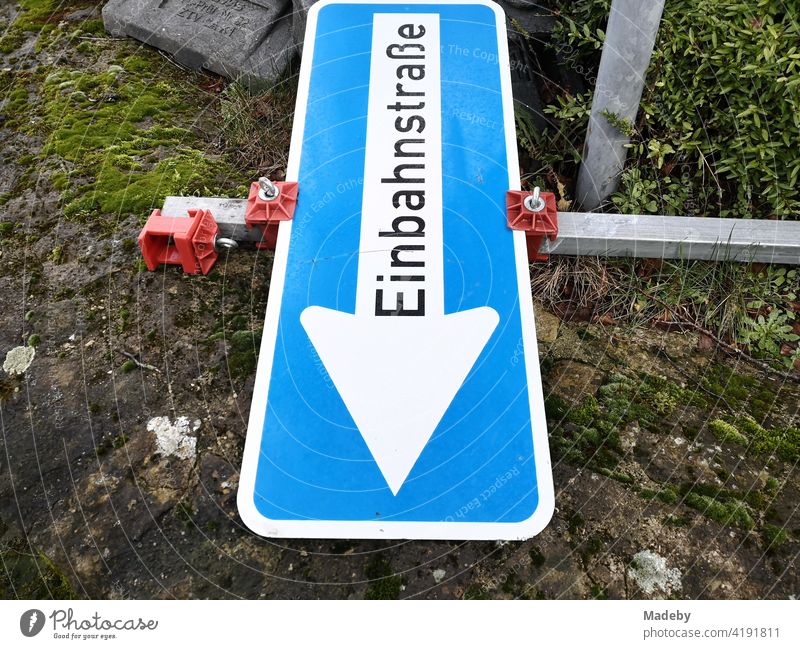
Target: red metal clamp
536,213
267,205
189,241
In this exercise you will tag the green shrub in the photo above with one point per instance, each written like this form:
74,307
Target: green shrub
720,114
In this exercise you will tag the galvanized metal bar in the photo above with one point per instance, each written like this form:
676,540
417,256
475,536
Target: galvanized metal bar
676,237
596,234
630,37
228,213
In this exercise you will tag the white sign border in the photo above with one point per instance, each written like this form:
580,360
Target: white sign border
421,530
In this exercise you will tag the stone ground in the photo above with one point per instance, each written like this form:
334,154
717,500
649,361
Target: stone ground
675,468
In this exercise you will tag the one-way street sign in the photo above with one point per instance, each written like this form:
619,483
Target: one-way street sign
398,392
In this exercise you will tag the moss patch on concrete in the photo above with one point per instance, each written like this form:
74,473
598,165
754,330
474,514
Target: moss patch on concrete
29,574
739,392
588,434
726,432
745,431
117,129
384,583
113,117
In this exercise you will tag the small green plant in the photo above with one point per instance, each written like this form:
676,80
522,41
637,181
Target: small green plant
622,124
766,334
57,254
772,485
639,195
658,151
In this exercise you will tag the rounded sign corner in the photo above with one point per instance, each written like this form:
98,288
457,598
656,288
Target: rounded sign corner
253,519
318,6
539,519
499,12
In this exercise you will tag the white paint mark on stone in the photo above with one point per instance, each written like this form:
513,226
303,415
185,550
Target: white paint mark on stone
649,571
18,360
174,438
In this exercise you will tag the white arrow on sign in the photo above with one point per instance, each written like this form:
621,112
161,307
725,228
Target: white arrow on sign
399,361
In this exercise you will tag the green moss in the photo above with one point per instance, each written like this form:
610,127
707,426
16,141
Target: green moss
136,63
94,27
243,352
772,485
727,512
117,129
59,180
586,413
88,47
119,441
537,558
185,513
575,522
555,407
11,40
29,574
666,494
57,254
740,392
34,340
516,586
128,366
384,584
726,432
758,500
35,16
619,476
36,13
237,322
774,537
588,434
16,103
784,442
591,547
475,591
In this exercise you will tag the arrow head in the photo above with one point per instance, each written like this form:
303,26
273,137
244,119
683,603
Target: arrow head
398,375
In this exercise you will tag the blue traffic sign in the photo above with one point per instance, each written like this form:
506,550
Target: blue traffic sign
398,392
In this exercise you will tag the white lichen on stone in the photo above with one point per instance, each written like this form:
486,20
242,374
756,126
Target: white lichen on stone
174,438
649,571
438,575
18,360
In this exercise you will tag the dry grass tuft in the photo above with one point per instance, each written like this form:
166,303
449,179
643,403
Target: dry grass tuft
257,129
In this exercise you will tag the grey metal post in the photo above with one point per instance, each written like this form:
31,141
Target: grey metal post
630,37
